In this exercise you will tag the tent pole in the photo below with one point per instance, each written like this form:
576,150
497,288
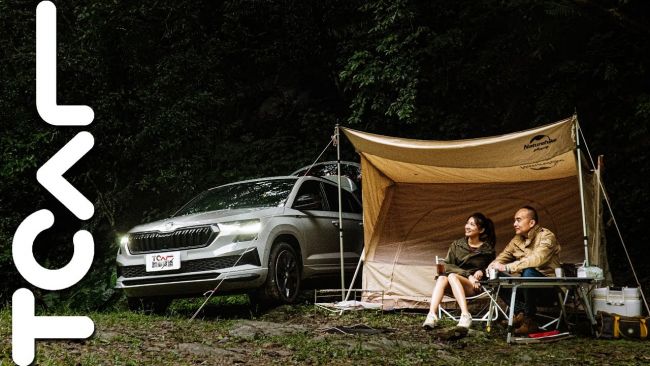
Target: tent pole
338,166
602,190
598,214
354,278
356,271
620,237
585,238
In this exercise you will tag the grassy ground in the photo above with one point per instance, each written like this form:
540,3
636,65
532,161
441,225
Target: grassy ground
229,332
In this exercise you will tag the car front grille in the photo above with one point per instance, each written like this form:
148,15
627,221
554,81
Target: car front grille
185,238
197,265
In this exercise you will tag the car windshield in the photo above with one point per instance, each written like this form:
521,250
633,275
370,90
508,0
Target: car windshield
263,193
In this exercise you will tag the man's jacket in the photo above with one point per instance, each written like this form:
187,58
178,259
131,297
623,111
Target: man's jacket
539,250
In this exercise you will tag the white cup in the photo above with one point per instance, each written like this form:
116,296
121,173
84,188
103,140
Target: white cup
559,272
492,273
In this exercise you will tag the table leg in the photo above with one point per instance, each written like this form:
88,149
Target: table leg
562,297
587,306
511,315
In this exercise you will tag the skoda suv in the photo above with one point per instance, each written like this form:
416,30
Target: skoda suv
262,236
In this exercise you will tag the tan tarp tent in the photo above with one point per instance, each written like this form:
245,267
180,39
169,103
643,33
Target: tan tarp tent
418,194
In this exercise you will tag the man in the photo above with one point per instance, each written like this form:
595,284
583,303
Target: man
533,252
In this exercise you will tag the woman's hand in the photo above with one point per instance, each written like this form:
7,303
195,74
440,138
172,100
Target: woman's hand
474,281
478,275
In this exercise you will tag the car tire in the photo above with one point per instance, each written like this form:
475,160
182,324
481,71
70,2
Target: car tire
283,281
149,305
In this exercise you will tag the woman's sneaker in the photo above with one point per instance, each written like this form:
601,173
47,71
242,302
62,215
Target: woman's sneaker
465,321
431,321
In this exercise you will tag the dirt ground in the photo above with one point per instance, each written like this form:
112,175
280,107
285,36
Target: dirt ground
235,334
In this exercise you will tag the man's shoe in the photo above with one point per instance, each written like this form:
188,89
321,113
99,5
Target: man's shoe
430,322
465,321
518,320
527,326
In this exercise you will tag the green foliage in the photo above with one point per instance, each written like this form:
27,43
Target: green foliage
383,74
189,95
186,96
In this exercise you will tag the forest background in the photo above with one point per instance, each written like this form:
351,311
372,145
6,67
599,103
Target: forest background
192,94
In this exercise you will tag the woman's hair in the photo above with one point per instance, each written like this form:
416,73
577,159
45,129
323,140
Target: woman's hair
488,235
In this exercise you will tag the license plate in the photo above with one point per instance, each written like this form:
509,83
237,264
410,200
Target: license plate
163,261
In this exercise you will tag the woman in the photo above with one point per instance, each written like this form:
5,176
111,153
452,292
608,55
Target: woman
465,265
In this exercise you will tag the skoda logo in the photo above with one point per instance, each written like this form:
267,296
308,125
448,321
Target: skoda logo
169,225
539,142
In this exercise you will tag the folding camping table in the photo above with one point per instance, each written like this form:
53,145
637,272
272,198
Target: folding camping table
578,284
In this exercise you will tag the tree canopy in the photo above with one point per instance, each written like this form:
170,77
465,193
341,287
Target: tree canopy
190,95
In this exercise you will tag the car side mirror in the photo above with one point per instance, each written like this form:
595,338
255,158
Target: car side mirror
307,201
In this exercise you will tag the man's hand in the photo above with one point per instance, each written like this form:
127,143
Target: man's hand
498,266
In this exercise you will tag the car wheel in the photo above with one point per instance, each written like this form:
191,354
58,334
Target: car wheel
149,305
283,280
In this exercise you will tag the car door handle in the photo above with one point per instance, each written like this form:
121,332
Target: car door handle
336,223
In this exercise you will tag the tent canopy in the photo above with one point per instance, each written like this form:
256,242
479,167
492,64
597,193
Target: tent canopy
417,196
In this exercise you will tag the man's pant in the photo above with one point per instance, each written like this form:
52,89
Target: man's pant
527,298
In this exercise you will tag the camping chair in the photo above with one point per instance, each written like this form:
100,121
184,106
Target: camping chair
479,306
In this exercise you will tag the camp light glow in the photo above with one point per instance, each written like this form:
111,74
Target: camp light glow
26,327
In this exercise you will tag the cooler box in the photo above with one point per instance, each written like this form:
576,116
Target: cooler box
626,301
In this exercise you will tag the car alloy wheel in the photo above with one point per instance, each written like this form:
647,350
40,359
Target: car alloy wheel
283,283
286,274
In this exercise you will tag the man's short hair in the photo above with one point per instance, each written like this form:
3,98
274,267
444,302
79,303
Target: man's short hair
531,212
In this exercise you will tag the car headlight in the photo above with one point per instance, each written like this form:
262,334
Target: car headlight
124,240
244,230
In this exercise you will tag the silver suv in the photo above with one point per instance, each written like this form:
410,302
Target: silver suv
262,236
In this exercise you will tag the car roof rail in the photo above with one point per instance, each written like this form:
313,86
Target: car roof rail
346,183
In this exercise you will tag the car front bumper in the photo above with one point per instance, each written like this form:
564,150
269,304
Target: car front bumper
228,273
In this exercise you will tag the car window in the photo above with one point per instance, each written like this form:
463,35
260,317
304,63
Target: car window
312,187
349,203
332,194
263,193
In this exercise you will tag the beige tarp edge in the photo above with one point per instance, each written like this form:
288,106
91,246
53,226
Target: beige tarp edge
513,149
560,166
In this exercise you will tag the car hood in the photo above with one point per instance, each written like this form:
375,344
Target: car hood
206,218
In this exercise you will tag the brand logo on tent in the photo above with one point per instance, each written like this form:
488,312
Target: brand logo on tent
539,142
543,165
